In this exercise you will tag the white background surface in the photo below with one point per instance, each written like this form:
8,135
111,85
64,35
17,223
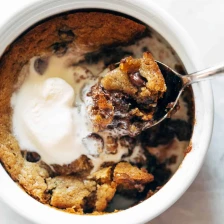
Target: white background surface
203,203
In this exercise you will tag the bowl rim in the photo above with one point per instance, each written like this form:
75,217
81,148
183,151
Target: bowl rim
186,50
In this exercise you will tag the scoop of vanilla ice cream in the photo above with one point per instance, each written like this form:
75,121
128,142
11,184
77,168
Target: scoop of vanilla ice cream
45,119
48,119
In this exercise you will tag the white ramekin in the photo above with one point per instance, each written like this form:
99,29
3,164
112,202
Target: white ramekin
152,15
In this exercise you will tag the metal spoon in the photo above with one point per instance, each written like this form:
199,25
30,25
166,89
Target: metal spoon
176,83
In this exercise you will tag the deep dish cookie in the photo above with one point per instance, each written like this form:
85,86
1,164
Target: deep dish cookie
93,41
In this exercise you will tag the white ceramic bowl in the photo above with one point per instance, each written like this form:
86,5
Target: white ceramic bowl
156,18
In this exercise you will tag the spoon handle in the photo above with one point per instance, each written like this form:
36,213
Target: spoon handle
205,74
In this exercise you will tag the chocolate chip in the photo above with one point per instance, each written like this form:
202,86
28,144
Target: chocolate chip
112,66
159,170
60,48
121,103
40,65
181,128
160,134
119,123
172,160
127,142
66,35
32,157
145,48
111,145
94,144
136,79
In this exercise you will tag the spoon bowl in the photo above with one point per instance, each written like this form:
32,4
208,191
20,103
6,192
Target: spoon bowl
176,83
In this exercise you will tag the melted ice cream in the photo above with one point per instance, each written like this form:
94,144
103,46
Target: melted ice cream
48,116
